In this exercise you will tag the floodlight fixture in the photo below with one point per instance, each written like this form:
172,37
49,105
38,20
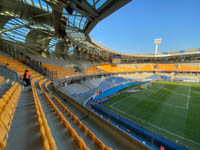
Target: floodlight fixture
157,42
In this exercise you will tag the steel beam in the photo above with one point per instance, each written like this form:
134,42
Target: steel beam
14,28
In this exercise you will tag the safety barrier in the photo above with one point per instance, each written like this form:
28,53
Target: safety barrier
113,90
8,104
8,73
134,129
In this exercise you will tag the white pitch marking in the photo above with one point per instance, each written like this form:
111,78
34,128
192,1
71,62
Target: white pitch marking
134,94
188,99
163,103
147,100
156,126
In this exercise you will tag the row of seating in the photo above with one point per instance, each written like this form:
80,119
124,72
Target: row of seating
47,138
165,67
1,79
126,68
93,70
81,144
110,68
8,104
148,67
75,118
58,72
16,66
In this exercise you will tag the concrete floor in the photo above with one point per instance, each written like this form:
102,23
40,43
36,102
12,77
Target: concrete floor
24,133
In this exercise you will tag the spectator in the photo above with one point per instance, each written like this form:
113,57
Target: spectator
162,147
26,78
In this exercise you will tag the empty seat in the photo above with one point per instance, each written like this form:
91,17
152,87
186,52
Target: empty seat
3,136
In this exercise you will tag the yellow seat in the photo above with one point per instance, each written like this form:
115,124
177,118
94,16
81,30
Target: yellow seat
78,122
12,104
2,104
4,117
80,142
72,132
43,135
84,127
45,123
14,98
52,142
107,148
99,143
61,116
5,98
9,110
8,93
46,144
91,135
3,136
66,124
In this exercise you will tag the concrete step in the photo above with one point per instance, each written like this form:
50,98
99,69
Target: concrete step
25,133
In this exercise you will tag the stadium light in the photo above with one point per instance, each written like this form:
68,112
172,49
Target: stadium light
156,42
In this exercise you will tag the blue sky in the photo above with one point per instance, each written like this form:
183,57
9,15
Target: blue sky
133,28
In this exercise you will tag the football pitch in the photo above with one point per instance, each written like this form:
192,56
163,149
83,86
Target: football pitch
168,109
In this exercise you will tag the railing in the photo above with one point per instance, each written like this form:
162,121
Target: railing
17,51
8,73
134,130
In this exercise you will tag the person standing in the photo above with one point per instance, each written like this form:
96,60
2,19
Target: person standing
26,78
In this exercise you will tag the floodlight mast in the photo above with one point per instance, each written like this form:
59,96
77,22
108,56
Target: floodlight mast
156,42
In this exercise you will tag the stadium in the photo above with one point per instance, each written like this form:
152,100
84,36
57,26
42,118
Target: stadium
83,95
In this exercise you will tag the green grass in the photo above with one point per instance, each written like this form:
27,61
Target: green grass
129,87
168,109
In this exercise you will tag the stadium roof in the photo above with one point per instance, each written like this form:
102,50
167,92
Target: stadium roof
44,23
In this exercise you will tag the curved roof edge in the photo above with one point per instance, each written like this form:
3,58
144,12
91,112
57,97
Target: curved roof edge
103,13
161,54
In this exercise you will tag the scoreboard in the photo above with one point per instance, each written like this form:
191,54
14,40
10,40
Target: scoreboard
116,59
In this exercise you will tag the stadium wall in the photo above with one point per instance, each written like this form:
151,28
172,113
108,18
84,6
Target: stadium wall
113,90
